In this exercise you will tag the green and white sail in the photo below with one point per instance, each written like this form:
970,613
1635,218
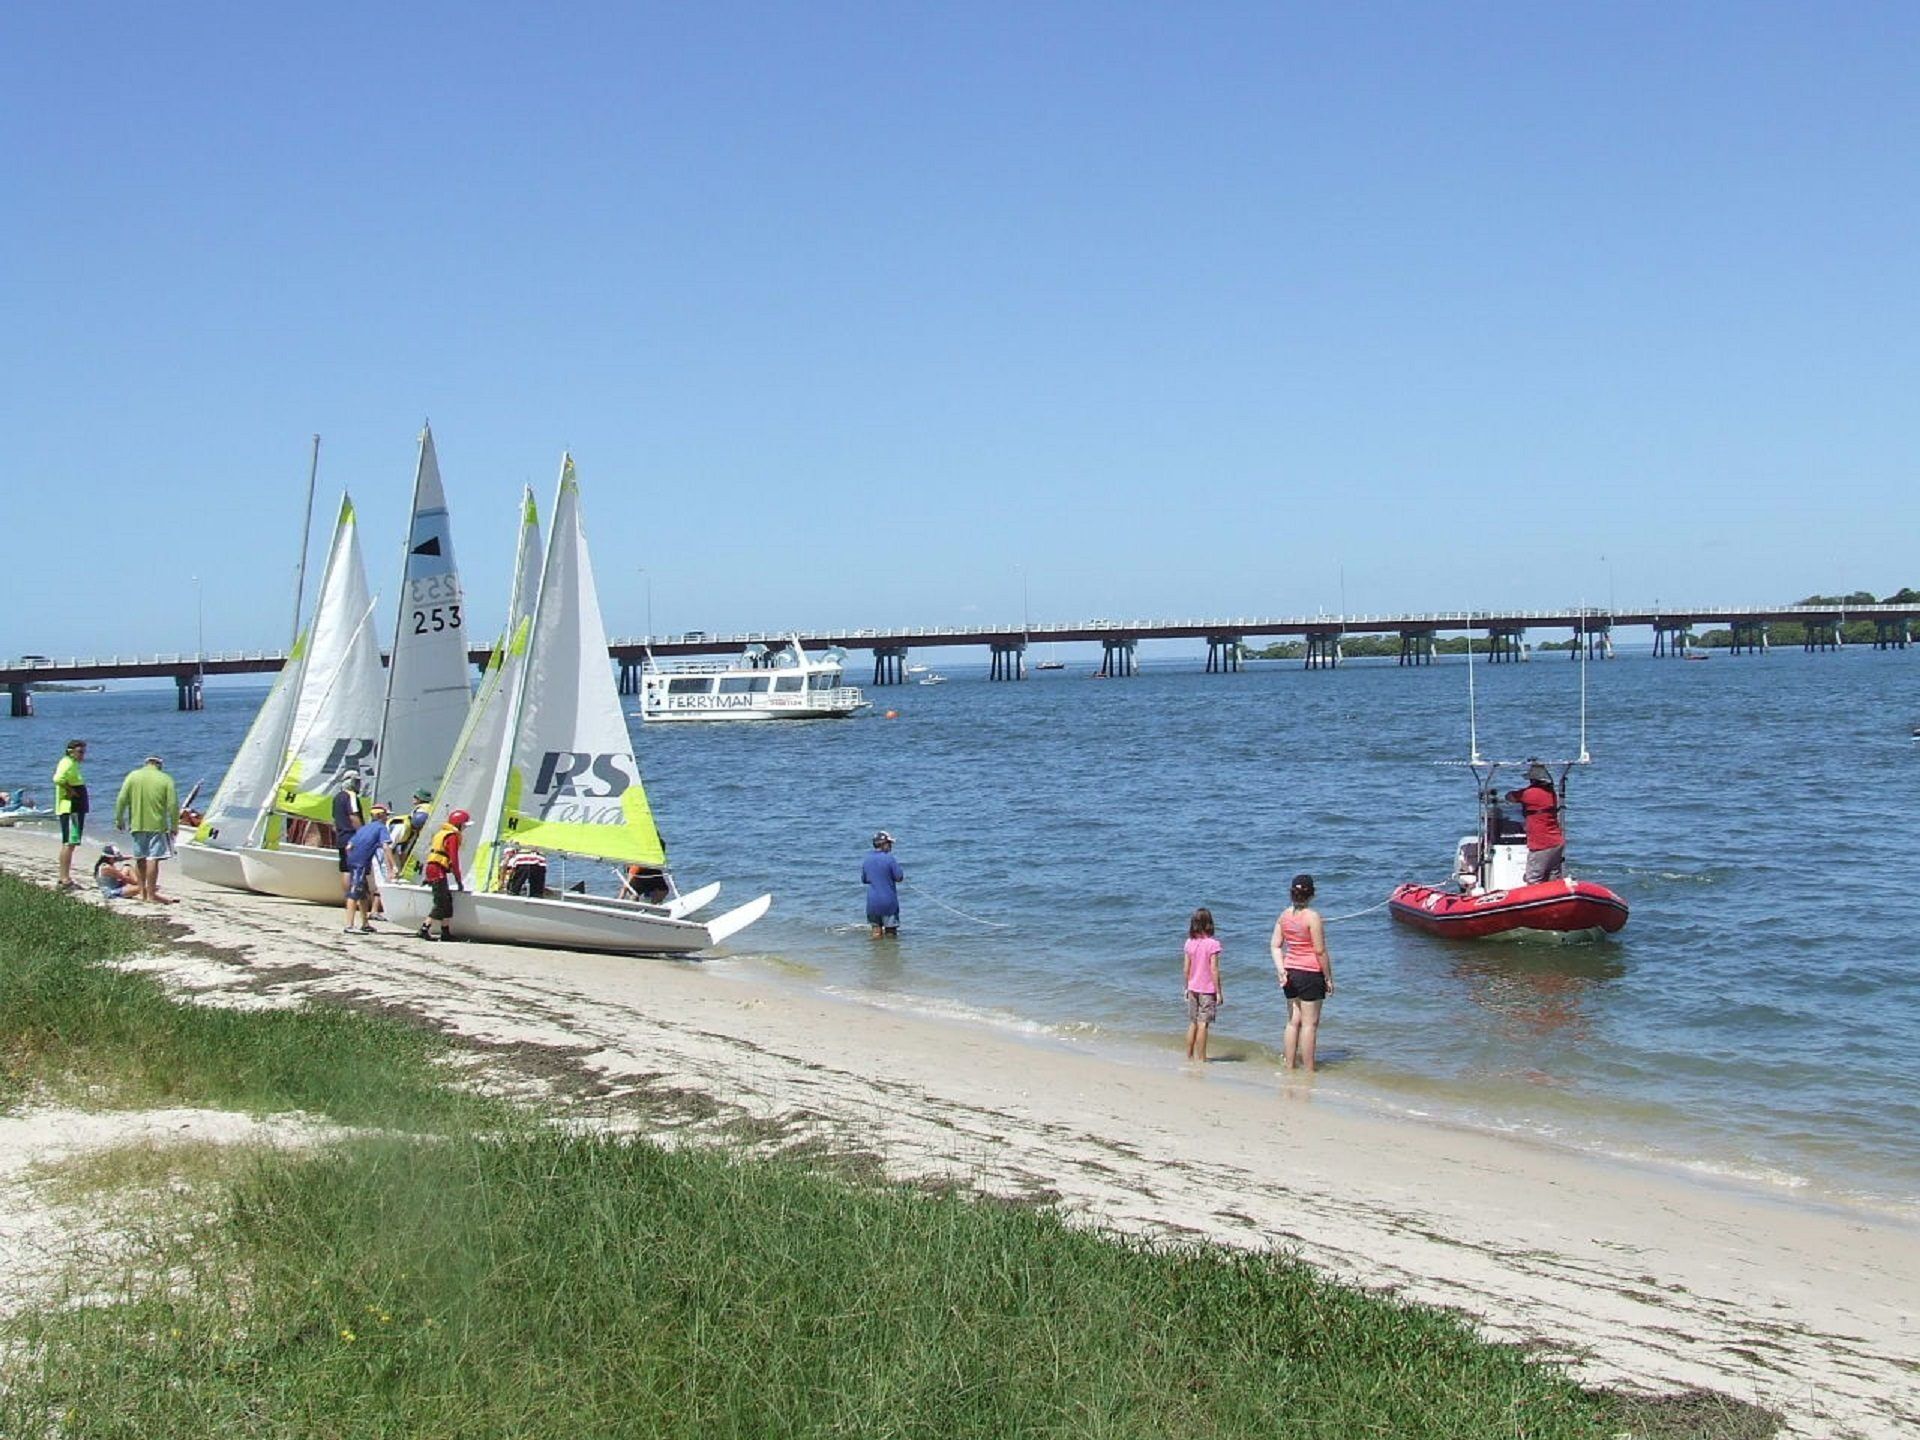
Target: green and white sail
238,811
336,712
571,782
475,769
427,693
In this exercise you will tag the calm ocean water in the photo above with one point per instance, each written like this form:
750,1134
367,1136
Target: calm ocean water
1758,1017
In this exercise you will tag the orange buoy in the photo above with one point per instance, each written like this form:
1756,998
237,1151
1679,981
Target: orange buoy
893,714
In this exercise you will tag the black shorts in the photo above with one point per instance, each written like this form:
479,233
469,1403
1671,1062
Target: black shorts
1305,985
442,900
346,865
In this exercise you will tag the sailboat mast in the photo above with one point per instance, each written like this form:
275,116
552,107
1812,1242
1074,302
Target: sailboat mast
306,539
1473,717
400,604
1581,640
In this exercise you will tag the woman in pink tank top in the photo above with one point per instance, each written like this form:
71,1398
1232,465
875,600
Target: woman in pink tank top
1305,969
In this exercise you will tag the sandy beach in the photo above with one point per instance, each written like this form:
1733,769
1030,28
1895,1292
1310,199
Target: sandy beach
1634,1276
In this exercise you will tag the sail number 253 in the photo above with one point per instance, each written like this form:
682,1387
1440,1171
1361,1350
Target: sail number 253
436,604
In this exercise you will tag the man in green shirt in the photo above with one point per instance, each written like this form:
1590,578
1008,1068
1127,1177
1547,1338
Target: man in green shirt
70,806
150,808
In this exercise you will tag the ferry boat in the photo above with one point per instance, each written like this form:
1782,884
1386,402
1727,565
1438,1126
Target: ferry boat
779,682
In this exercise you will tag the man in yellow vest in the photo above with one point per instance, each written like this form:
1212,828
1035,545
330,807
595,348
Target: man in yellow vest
70,806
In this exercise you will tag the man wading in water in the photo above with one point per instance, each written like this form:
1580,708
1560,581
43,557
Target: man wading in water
881,874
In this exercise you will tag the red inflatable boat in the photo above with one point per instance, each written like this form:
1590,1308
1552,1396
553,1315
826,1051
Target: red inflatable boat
1490,894
1564,906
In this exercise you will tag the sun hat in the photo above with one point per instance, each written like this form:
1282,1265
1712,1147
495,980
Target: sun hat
423,794
113,852
881,838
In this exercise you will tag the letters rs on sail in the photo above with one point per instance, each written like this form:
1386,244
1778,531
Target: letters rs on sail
348,755
575,772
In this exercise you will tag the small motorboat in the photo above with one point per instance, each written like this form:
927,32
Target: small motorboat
1490,895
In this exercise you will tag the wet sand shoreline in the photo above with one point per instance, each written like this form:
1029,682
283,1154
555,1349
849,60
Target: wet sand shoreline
1633,1275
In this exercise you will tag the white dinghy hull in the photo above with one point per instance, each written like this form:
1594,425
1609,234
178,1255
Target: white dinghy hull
571,922
297,872
211,865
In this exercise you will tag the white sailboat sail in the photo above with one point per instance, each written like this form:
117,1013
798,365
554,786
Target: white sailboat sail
474,768
563,778
336,715
427,691
572,783
238,810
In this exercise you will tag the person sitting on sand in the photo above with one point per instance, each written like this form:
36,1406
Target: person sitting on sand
117,879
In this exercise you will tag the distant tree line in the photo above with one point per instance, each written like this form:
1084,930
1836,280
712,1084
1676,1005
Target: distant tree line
1785,632
1791,632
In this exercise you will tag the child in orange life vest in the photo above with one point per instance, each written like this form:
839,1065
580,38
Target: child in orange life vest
442,872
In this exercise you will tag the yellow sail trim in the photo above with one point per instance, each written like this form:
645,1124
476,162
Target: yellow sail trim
634,841
204,830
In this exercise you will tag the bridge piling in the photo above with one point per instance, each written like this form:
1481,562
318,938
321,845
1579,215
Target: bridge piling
1009,660
189,692
1891,634
1223,653
628,682
19,700
1750,637
1117,661
889,664
1416,647
1323,652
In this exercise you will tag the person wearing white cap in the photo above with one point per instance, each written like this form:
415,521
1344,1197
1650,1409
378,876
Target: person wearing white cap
349,814
149,806
881,874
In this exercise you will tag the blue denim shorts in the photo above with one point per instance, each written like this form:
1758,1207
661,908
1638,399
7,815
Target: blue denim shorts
152,845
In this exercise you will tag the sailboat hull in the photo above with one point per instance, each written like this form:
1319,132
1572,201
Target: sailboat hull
211,865
571,922
298,872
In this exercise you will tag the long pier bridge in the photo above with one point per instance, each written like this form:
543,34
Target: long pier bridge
1590,629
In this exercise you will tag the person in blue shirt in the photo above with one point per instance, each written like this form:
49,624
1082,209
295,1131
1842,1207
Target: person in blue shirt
881,873
364,852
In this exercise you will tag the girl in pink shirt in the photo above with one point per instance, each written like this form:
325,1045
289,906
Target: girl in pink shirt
1205,995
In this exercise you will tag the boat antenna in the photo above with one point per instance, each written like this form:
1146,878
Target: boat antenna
1473,719
306,537
1580,639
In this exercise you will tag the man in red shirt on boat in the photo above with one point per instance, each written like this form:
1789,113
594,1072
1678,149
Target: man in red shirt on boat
1539,802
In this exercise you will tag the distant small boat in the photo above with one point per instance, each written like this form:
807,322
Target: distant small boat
932,678
1051,665
916,669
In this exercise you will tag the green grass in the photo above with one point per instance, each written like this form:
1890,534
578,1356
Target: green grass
501,1279
85,1031
554,1285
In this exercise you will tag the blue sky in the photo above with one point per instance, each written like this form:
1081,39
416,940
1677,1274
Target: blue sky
870,314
